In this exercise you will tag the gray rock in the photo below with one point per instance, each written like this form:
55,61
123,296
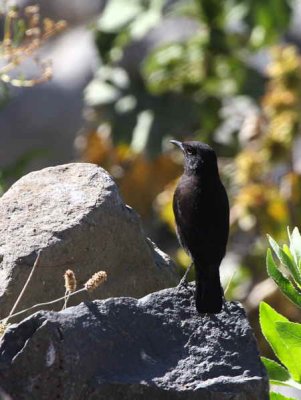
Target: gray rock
75,215
157,347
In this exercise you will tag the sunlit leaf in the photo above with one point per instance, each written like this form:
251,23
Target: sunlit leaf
278,375
290,332
118,13
272,23
295,245
287,251
147,20
287,261
279,396
276,372
283,283
98,93
269,318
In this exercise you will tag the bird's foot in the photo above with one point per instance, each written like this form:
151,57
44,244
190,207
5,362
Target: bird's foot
184,281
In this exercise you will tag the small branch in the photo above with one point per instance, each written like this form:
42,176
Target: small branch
43,304
26,284
96,280
67,295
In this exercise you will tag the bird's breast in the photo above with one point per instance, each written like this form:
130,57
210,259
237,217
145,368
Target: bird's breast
188,198
202,215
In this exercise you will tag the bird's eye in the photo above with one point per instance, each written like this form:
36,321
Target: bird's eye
191,151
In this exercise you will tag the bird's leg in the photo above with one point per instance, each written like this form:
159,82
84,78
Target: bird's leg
183,281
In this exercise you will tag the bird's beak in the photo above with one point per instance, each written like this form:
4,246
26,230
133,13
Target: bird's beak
177,143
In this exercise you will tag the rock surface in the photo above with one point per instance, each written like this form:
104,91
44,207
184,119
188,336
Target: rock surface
75,215
156,347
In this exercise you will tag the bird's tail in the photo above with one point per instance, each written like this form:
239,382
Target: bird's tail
209,293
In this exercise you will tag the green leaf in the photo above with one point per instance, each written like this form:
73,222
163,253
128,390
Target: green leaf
142,130
276,372
278,375
140,26
147,20
98,92
279,396
274,246
119,13
282,282
273,23
287,251
295,245
269,318
291,333
287,261
280,253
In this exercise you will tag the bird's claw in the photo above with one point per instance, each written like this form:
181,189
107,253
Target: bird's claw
183,282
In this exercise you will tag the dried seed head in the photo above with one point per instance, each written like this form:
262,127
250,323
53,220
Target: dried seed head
49,24
33,32
70,281
3,327
34,21
29,10
60,25
96,280
12,14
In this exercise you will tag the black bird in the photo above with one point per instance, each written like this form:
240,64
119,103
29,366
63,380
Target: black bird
201,211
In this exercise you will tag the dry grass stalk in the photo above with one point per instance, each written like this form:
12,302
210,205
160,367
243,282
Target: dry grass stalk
3,327
97,279
23,36
36,263
229,283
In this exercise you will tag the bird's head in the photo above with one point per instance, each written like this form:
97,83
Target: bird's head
199,158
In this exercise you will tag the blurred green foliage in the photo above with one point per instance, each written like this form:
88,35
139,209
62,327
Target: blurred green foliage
288,278
160,80
284,336
24,32
180,83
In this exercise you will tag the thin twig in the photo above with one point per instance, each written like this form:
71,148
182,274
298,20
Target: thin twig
43,304
97,279
67,295
25,286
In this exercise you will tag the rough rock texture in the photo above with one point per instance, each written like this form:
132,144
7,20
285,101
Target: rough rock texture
157,347
75,215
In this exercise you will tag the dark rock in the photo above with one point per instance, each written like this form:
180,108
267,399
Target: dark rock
4,396
157,347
